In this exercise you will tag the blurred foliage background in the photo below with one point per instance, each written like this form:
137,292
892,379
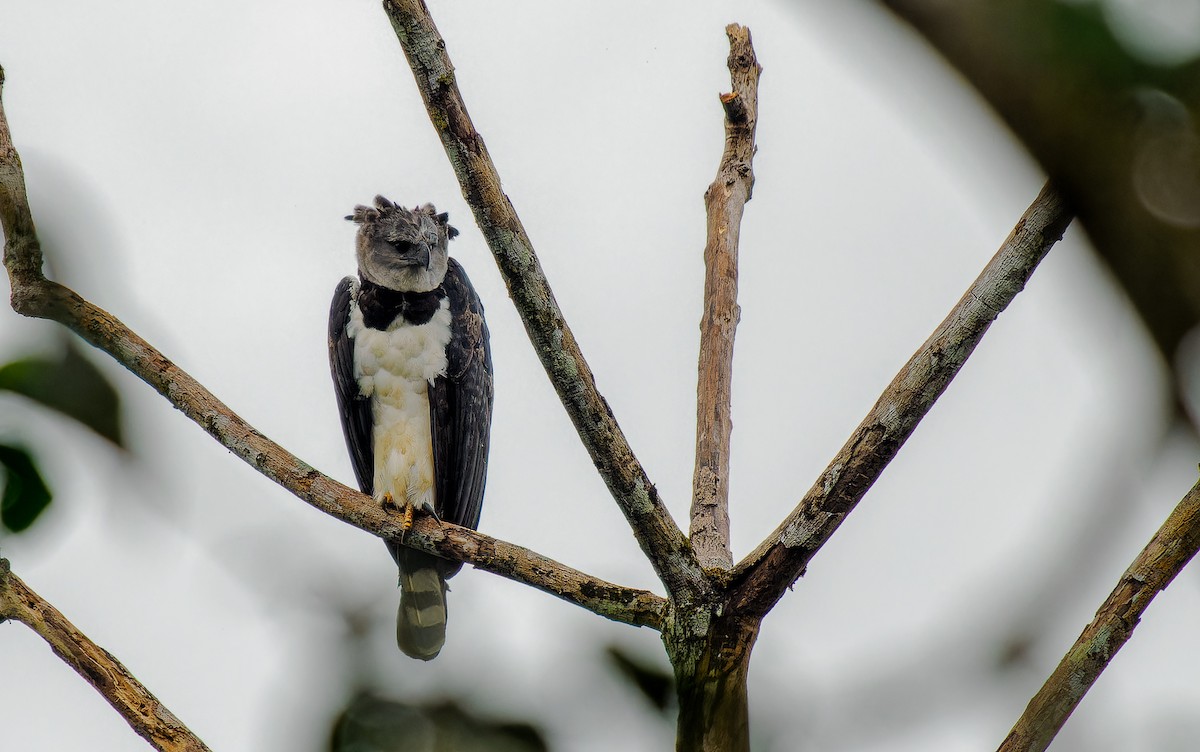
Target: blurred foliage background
1105,96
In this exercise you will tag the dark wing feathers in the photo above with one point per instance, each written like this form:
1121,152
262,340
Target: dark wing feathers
460,405
355,410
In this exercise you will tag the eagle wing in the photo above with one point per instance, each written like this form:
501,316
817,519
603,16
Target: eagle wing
460,406
355,409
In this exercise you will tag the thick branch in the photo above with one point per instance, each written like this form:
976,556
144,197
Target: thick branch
34,295
148,717
761,578
657,534
724,202
1168,552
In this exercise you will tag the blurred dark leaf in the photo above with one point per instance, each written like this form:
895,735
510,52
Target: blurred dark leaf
25,493
1117,133
656,683
70,384
373,724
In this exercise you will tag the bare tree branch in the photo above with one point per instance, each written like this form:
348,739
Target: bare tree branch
22,253
148,717
762,577
34,295
724,202
659,537
1167,553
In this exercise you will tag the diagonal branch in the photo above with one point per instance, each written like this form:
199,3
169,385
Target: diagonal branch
148,717
34,295
724,202
657,534
760,580
1167,553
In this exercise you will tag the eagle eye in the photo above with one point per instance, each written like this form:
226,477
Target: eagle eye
402,246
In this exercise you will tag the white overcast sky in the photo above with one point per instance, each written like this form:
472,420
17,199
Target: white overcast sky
189,166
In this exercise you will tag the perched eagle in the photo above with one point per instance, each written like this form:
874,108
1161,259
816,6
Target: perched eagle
412,367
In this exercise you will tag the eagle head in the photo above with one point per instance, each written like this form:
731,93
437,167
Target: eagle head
401,249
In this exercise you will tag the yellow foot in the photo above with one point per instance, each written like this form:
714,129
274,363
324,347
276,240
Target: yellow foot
407,523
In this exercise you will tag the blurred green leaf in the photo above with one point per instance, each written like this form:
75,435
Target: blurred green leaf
25,493
70,384
374,724
657,683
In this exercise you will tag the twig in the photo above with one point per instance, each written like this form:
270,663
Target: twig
762,577
148,717
34,295
659,537
1167,553
724,202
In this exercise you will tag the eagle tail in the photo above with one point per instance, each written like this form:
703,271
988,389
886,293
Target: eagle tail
421,622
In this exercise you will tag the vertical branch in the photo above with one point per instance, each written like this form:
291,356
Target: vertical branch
140,709
1167,553
724,202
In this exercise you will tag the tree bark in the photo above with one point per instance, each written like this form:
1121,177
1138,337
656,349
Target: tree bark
711,657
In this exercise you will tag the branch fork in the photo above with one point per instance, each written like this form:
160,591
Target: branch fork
714,608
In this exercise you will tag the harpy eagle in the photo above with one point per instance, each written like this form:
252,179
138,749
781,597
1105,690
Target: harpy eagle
408,348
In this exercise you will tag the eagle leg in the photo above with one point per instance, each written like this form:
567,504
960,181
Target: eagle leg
388,502
410,509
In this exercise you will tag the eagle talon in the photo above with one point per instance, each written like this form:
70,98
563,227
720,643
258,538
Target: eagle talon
388,503
428,509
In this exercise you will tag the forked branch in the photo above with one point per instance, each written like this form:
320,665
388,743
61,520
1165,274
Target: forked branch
763,576
140,709
657,534
724,202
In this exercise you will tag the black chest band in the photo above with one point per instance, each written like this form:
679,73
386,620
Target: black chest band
380,306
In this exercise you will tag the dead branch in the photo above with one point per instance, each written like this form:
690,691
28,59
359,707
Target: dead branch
724,202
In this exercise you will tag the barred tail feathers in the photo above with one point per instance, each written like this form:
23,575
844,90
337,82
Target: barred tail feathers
421,621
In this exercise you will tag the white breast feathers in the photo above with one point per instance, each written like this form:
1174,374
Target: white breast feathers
394,368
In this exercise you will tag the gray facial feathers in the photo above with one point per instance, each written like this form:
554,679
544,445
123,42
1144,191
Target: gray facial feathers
401,249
